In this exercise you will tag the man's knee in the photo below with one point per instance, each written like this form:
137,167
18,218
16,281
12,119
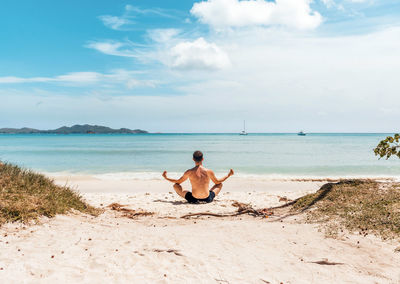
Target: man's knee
177,185
219,185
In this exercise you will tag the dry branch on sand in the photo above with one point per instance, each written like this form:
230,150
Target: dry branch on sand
126,212
243,208
174,251
326,262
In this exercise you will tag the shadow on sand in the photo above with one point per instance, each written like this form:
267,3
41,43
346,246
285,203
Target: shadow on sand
182,202
173,202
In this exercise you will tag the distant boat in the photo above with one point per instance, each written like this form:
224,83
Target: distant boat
244,128
301,133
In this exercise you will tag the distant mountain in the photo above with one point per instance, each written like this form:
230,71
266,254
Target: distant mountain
24,130
76,129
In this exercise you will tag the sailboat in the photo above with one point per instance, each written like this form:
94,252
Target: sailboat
301,133
244,128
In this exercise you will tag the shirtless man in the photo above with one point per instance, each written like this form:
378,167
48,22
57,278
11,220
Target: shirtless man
199,178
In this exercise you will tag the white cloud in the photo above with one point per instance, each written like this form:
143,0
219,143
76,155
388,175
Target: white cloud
329,3
156,11
221,14
112,48
75,77
198,54
16,80
171,50
121,76
125,21
163,35
113,22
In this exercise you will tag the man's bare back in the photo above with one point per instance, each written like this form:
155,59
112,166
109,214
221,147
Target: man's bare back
199,178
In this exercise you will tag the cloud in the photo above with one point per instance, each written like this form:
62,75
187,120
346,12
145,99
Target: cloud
329,3
156,11
126,20
163,35
114,22
198,54
113,48
221,14
168,48
75,77
120,76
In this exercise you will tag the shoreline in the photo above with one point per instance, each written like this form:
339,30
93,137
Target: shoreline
156,175
131,184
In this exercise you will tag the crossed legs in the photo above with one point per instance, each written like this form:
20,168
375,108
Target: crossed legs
179,190
216,188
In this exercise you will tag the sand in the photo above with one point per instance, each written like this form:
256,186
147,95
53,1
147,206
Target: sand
165,248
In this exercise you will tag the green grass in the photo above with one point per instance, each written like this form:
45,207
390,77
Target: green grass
362,206
26,196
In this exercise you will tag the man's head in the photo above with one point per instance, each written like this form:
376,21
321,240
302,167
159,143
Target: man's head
198,156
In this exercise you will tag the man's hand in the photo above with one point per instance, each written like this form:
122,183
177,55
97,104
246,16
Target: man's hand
164,174
231,173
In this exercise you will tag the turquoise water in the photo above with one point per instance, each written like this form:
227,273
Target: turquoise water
324,155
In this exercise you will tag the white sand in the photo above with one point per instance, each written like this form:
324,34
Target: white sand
114,249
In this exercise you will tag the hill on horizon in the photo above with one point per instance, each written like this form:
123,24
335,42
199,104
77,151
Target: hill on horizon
75,129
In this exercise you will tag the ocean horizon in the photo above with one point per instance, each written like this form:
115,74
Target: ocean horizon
267,155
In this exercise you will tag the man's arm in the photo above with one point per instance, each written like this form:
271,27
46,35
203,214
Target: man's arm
218,181
179,181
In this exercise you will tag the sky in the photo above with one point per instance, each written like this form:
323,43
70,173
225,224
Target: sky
201,66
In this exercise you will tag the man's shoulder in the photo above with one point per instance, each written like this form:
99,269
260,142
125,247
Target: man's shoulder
192,170
188,171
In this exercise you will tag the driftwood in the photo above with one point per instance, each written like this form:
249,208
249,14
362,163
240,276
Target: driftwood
126,212
326,262
176,252
242,209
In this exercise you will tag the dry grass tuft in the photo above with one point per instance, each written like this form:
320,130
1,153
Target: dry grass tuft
25,196
363,206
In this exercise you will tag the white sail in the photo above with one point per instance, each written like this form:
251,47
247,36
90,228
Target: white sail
244,128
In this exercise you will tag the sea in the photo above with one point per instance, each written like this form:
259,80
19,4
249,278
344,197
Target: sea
278,155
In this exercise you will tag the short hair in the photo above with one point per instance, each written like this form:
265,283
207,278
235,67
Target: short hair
198,156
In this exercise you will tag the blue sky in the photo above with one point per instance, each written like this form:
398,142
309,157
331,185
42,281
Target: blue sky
201,66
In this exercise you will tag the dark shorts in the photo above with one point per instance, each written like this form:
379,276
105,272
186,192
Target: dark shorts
189,197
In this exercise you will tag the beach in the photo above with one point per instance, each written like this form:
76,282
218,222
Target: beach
159,246
165,248
202,141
